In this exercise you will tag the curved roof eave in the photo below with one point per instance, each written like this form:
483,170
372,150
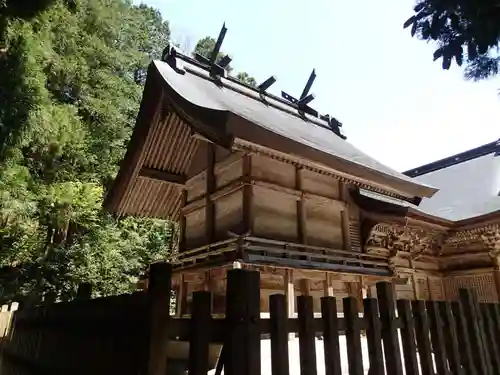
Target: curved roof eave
197,88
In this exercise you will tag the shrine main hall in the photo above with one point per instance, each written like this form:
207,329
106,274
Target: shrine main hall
259,181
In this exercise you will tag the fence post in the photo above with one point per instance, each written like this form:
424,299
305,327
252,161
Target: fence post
84,291
201,329
352,336
331,343
242,340
472,317
408,337
307,344
390,337
373,337
159,285
279,334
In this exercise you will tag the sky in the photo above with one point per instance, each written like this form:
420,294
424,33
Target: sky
395,103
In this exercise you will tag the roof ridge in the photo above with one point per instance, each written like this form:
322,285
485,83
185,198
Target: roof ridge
171,53
474,153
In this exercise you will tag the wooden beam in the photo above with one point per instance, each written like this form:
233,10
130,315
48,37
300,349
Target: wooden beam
156,174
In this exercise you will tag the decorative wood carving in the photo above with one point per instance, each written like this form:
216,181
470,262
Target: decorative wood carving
404,239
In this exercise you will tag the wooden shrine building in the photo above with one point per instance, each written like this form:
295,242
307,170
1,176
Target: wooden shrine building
264,182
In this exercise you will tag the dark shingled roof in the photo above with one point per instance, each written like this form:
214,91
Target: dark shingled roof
230,113
275,115
468,183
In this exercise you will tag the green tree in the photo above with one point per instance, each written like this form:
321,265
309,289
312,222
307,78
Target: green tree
206,45
465,31
70,88
244,77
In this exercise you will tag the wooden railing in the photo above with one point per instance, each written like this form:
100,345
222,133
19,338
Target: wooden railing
134,334
261,250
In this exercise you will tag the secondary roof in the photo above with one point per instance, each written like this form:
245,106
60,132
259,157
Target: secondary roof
224,111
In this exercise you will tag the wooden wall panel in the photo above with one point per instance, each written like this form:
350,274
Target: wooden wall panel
273,171
228,213
274,214
422,286
323,223
324,185
404,291
196,187
436,289
195,228
482,284
228,171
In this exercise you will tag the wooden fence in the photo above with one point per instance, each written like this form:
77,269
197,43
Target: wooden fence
134,334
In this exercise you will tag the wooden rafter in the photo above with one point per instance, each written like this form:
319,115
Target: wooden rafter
155,174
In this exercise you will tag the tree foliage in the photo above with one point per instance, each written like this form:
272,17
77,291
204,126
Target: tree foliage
70,87
466,31
206,45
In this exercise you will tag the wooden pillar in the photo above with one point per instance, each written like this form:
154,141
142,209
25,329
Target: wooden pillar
431,297
290,296
182,223
210,188
496,274
305,287
159,286
247,195
344,216
496,278
415,286
180,297
328,289
301,212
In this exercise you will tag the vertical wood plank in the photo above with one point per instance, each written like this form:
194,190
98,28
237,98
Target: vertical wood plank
352,335
471,317
331,343
279,334
437,338
159,287
373,336
392,351
200,328
495,314
422,333
491,338
307,344
466,354
408,337
482,332
451,338
242,344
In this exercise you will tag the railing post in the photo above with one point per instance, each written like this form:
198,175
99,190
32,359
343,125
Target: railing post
242,341
159,286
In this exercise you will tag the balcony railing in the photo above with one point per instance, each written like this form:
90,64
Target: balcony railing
279,253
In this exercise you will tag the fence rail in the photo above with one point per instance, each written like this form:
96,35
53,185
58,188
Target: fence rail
134,334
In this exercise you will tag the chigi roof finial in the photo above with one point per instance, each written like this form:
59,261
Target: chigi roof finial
305,97
216,68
